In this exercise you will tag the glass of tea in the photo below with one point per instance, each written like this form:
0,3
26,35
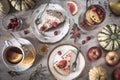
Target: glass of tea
43,49
92,16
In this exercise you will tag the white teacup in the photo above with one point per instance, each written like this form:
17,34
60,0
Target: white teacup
13,55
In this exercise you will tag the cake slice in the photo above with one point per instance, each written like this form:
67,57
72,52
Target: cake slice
52,20
63,66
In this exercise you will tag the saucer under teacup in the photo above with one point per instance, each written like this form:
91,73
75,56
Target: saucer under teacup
26,61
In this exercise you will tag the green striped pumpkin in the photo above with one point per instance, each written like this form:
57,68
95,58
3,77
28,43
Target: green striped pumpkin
22,5
4,7
109,37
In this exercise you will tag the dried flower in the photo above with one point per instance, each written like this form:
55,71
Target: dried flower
13,73
39,73
75,32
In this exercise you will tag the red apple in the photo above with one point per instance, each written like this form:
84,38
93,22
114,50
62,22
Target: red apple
112,58
94,53
116,74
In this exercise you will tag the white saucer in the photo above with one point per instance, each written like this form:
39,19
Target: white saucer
22,66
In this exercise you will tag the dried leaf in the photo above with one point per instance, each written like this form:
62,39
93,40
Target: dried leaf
39,73
13,73
75,32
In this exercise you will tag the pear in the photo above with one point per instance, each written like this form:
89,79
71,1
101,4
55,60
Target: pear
115,7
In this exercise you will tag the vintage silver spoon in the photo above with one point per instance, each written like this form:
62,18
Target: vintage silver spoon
24,47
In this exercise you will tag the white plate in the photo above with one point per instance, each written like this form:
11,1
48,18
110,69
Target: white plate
21,67
53,57
49,36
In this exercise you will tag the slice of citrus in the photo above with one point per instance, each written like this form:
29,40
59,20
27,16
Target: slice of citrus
88,17
72,7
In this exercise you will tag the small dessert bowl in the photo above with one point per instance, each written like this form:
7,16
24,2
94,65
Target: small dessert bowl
12,22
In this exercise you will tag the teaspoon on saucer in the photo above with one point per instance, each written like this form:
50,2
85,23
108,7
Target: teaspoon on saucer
24,47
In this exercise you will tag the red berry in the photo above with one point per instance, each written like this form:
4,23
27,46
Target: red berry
54,24
88,38
59,52
42,28
83,42
13,20
101,16
99,12
94,8
13,26
9,26
16,23
26,32
56,33
62,63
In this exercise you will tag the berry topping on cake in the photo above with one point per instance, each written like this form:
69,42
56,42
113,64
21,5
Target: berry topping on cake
62,63
52,19
62,66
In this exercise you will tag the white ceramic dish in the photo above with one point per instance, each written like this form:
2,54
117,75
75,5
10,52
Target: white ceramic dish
53,57
49,36
21,66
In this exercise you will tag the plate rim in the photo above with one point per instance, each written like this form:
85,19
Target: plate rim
32,26
57,47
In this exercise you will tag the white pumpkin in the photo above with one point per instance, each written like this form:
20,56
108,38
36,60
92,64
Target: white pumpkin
4,7
22,5
109,37
98,73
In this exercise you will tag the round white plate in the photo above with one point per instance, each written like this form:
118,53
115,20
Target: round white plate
49,36
54,56
21,67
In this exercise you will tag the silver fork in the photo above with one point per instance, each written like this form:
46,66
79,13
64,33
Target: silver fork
74,65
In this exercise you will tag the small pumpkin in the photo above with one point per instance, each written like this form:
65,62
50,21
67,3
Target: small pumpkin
109,37
98,73
4,7
22,5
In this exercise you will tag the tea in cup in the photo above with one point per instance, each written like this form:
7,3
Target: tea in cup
12,55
